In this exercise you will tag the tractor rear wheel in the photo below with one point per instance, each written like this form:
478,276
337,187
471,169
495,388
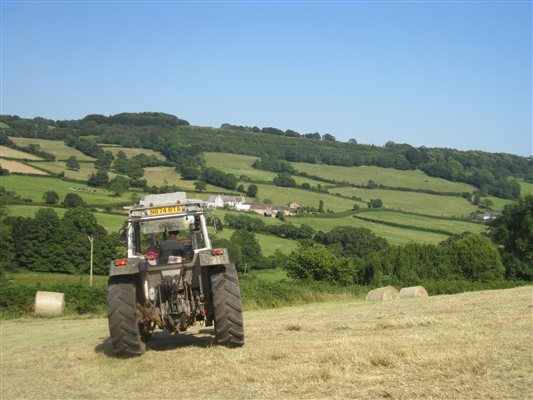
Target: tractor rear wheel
122,316
229,327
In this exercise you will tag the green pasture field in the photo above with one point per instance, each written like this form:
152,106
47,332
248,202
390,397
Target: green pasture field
55,147
28,278
159,176
56,167
525,188
238,164
133,151
111,222
421,203
12,153
498,203
283,196
220,213
269,243
413,179
392,234
456,227
270,275
32,187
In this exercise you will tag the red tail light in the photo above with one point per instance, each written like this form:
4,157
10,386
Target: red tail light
121,263
217,252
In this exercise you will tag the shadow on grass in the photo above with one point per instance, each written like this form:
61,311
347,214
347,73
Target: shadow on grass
162,341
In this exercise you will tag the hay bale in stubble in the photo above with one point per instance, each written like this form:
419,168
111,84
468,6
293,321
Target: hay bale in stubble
383,294
414,291
49,304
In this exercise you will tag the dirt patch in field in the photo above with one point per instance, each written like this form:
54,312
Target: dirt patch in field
15,166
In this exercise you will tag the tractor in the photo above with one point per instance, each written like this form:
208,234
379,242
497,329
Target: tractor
171,278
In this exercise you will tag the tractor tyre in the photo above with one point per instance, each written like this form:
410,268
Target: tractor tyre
229,328
122,316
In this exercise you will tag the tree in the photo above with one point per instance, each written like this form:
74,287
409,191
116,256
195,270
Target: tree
83,219
476,257
73,200
119,185
200,186
240,188
50,197
349,241
251,191
251,251
284,179
318,263
73,164
375,203
513,231
190,173
100,178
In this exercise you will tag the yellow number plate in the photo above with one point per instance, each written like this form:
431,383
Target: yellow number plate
165,210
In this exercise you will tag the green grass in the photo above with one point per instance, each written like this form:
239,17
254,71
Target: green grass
414,202
455,227
386,176
270,275
238,164
498,203
47,278
32,187
269,243
133,151
525,188
55,147
393,234
56,167
159,176
283,196
111,222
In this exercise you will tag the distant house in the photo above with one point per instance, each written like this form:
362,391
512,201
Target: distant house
221,200
294,205
243,206
261,209
284,209
487,215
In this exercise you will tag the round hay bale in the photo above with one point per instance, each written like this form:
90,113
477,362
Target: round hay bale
383,294
49,304
414,291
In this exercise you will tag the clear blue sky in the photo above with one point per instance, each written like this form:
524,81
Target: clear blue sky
447,73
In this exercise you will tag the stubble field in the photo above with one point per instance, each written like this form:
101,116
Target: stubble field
473,345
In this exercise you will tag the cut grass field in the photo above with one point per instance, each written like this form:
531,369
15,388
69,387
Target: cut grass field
385,176
111,222
447,206
471,345
15,166
455,227
56,167
12,153
55,147
159,176
284,196
393,234
33,187
269,243
133,151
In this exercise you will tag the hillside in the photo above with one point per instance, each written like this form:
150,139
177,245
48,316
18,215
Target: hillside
416,203
472,345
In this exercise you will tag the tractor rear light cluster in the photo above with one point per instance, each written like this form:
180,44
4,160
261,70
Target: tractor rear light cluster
121,263
217,252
